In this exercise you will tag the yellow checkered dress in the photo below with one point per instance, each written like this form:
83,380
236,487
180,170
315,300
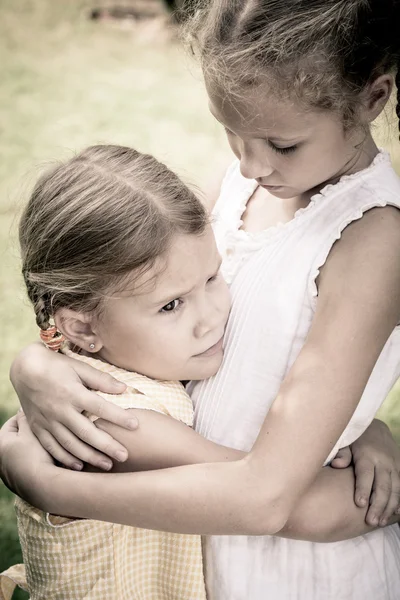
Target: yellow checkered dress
72,559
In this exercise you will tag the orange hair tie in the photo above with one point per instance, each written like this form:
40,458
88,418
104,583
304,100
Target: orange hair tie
52,338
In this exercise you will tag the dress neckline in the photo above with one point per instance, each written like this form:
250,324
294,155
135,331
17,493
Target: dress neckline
325,193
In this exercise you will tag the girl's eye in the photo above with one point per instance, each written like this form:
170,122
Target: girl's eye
287,150
172,306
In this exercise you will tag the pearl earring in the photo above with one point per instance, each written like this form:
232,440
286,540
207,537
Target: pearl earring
91,346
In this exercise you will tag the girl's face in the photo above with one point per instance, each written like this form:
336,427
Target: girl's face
171,326
287,149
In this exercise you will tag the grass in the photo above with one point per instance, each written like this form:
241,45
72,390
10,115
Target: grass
68,82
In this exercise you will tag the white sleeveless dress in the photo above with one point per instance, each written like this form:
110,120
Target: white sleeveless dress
272,276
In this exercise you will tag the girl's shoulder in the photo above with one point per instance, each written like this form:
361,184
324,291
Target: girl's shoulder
339,205
167,397
358,217
376,185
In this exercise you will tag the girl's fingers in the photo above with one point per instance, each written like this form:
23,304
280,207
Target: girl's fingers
88,443
380,496
50,444
342,459
98,406
97,380
76,447
394,500
365,473
84,399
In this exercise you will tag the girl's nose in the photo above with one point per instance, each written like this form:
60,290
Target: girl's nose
254,164
208,319
203,327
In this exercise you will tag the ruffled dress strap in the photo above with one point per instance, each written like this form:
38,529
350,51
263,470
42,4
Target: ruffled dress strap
377,186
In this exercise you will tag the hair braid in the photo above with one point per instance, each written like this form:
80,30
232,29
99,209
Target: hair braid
40,301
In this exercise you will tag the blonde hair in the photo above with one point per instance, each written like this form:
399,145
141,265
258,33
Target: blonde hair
93,220
324,52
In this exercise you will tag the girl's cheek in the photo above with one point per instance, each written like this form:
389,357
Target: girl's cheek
234,144
225,300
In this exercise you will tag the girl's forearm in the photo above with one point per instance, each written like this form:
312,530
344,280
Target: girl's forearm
202,499
162,442
327,511
194,500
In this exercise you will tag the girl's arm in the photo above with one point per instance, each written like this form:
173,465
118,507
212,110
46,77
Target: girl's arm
357,309
327,511
161,442
373,457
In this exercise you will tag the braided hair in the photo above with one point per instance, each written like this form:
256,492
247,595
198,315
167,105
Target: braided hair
41,302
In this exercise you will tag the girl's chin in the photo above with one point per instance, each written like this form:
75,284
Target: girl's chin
209,368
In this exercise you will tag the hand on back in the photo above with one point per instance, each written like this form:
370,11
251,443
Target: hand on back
376,460
54,391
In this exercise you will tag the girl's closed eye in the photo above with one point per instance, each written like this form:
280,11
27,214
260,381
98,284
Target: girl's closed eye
284,150
278,149
172,307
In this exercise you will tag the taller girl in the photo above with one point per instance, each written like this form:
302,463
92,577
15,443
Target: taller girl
308,224
296,84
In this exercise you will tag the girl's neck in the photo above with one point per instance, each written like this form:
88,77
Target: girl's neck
361,159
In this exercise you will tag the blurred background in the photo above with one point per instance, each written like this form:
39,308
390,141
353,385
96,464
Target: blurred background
74,73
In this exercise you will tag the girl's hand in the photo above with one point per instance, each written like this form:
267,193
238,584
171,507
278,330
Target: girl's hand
21,457
343,458
376,458
53,391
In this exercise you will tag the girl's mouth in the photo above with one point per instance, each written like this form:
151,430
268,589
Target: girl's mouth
215,349
272,187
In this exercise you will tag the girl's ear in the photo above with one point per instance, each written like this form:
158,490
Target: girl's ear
77,328
377,96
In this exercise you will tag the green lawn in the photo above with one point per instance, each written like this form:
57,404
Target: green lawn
67,82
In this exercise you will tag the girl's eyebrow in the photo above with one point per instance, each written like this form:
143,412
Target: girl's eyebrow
278,138
172,296
271,138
